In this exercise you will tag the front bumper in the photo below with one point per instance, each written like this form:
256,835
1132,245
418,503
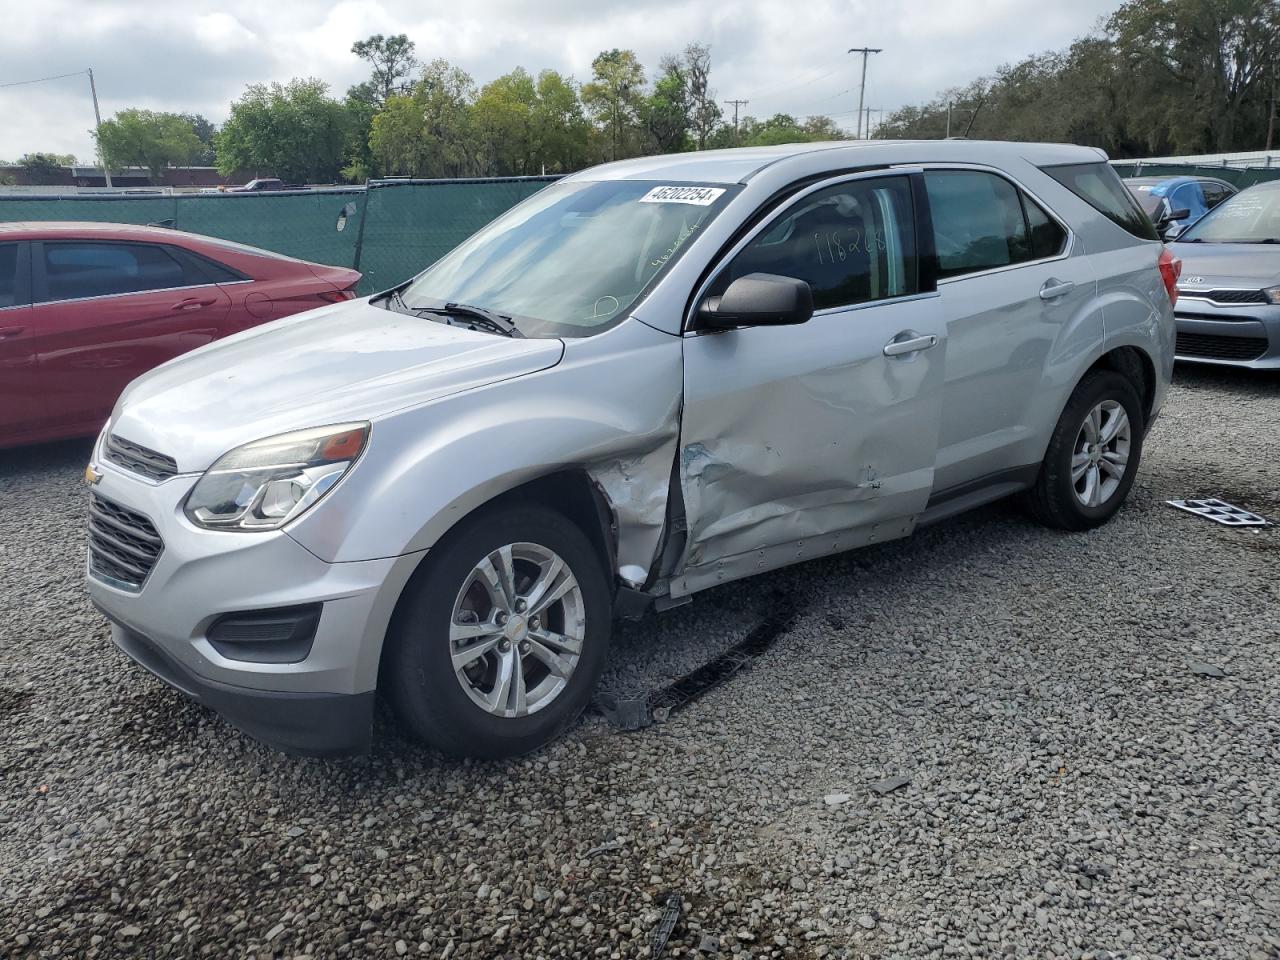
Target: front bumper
310,724
1233,335
319,704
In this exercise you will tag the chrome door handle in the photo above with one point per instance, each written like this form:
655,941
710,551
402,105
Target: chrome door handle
193,303
898,348
1053,289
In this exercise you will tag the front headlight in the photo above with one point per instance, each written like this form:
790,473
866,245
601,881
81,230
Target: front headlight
1273,294
265,484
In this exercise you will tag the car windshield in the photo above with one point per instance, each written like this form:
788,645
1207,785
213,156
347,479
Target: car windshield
1249,217
573,258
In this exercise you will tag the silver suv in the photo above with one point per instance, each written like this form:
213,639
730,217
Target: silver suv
648,379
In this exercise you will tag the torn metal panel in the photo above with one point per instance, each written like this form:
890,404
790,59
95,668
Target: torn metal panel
636,489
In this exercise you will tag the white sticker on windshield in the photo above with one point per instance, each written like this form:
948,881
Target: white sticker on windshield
698,196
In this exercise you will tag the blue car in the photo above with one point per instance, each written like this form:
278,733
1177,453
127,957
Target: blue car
1162,197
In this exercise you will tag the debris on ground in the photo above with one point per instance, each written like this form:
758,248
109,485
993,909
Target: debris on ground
672,905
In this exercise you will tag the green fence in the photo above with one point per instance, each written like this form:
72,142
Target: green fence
1237,176
388,231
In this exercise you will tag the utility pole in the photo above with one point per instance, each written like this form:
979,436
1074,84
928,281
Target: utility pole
1271,119
736,105
862,89
948,136
93,89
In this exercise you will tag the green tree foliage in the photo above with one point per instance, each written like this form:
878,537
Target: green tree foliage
149,139
614,98
667,111
206,132
42,169
393,62
294,131
428,133
1159,77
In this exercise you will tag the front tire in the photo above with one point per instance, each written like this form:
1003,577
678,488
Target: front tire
1093,455
501,634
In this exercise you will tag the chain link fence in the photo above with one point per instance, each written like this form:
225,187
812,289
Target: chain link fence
1236,176
389,230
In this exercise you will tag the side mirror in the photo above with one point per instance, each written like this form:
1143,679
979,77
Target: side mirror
758,300
1169,225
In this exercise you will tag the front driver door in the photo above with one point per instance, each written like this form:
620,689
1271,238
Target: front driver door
804,440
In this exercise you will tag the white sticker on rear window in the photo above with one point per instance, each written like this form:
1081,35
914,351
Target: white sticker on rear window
698,196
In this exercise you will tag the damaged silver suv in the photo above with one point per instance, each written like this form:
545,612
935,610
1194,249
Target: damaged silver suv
650,378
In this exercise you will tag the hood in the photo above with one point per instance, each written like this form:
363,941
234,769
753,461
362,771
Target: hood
1239,264
350,361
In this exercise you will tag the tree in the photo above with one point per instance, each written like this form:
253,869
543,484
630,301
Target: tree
428,133
704,113
503,122
393,62
294,131
147,138
561,131
667,112
614,96
44,169
206,131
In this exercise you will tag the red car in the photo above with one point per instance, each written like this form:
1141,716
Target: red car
87,307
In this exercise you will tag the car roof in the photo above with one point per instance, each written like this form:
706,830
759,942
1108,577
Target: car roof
739,165
88,229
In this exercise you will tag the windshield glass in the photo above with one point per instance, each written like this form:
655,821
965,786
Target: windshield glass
572,259
1249,217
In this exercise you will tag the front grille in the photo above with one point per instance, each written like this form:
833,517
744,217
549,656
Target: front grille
138,459
123,544
1228,296
1220,348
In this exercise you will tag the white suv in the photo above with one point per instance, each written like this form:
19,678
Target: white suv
650,378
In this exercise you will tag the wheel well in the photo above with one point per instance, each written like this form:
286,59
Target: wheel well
573,494
1135,366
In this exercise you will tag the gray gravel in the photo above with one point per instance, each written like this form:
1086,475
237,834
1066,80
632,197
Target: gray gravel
1073,788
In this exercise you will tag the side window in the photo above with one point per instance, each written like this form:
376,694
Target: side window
1184,198
977,221
8,274
852,243
1098,185
1047,236
76,270
1214,194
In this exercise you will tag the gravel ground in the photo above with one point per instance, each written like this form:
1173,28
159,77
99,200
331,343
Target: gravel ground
1076,788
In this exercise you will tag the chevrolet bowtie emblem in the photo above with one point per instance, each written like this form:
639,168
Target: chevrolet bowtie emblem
91,476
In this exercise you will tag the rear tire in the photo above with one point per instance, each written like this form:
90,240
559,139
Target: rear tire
1093,455
478,662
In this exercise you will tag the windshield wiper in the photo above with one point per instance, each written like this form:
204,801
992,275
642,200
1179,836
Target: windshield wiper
471,316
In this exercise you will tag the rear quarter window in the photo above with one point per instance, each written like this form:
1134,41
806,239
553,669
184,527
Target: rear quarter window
1098,185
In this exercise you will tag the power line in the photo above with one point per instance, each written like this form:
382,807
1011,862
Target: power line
61,76
800,82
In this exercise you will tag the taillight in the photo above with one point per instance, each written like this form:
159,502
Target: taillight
1170,271
337,296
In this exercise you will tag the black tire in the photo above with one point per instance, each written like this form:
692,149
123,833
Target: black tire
417,670
1053,499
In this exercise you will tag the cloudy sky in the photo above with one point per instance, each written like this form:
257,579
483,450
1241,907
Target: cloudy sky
782,55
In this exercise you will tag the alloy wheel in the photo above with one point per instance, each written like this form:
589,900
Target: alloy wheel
517,630
1100,456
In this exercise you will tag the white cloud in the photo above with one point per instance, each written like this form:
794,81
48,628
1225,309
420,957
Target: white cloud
782,56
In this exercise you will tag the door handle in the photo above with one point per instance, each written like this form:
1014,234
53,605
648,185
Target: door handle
1053,289
7,332
899,348
193,303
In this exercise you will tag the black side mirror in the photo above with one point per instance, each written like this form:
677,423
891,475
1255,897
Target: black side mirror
1173,215
758,300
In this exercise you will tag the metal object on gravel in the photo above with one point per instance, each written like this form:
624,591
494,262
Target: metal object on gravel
1207,670
672,906
1219,511
891,784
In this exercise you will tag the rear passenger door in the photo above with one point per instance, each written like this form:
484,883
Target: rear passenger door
21,400
106,312
1016,290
